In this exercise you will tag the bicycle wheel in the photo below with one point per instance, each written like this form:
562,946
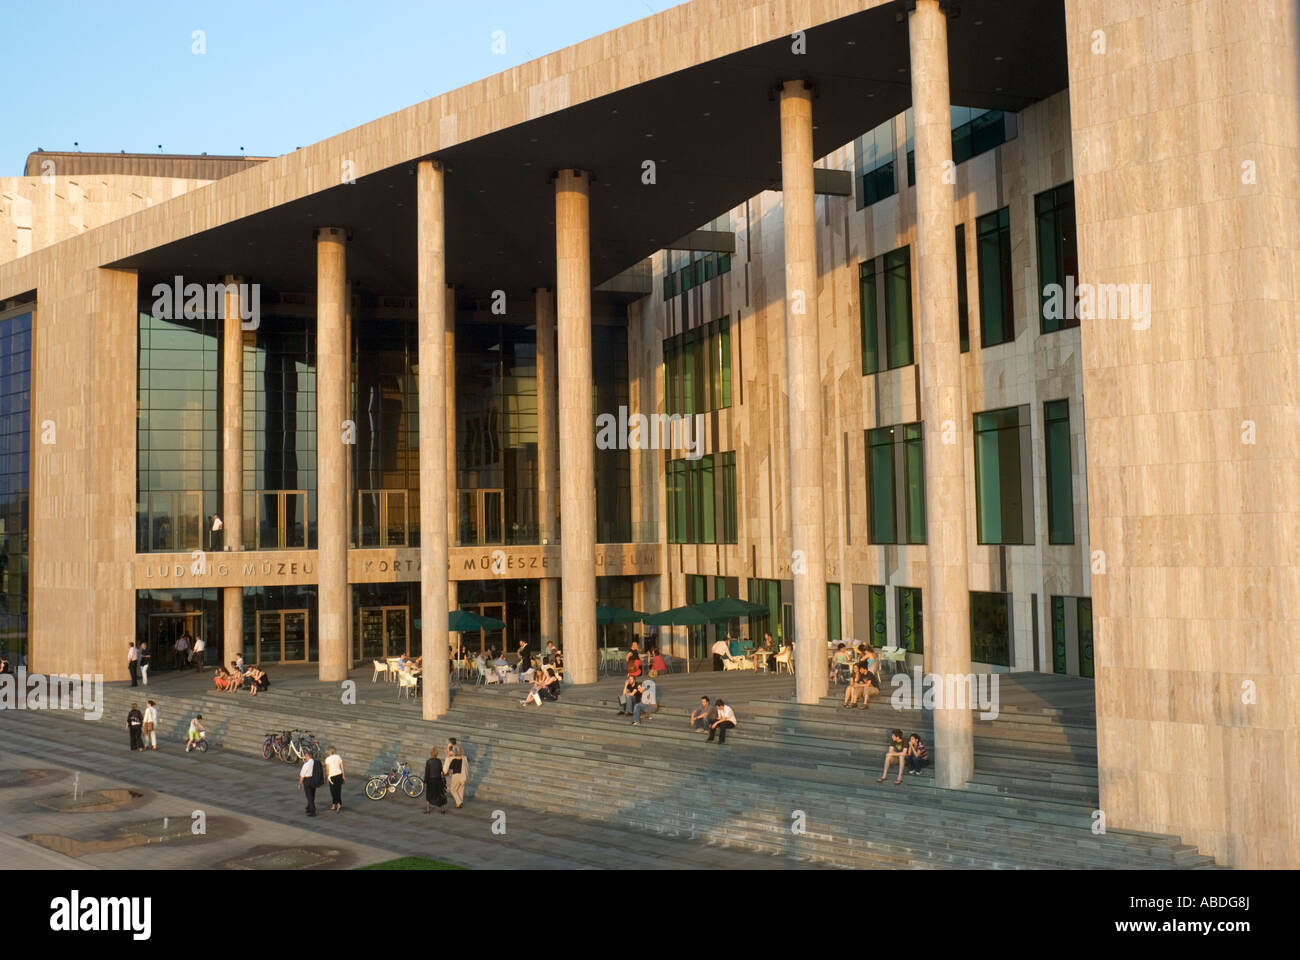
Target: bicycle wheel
414,787
203,745
377,788
284,753
268,750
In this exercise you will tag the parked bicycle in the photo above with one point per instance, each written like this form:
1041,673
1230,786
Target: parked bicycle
381,786
303,744
276,745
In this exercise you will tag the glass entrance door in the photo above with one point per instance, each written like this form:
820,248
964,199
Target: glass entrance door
164,628
281,636
383,632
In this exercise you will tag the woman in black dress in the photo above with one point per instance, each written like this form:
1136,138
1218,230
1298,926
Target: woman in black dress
135,727
435,787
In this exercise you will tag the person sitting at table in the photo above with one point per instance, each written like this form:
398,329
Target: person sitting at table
658,664
765,653
499,659
402,662
634,661
552,654
842,661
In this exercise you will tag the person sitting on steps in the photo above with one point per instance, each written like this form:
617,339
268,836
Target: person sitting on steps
897,749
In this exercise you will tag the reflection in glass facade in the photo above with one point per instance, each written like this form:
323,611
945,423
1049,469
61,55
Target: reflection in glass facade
496,433
280,435
515,602
385,620
15,480
613,467
178,472
385,408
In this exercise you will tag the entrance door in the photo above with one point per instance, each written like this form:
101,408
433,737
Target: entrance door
164,628
281,636
384,632
488,639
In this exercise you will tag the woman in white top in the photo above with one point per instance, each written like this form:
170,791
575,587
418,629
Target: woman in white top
334,775
150,725
726,721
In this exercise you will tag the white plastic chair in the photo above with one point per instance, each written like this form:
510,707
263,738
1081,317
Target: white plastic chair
380,667
783,660
406,684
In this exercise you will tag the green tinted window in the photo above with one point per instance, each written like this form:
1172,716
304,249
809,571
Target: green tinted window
997,310
1060,481
867,311
880,485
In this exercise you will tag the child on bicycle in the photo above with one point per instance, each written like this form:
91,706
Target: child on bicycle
197,731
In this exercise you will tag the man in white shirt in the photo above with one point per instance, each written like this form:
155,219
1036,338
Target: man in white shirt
726,721
720,654
133,664
307,784
334,775
199,646
217,527
182,651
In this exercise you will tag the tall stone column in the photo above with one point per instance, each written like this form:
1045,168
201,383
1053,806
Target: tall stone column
331,454
431,290
803,373
450,494
232,461
577,425
947,600
548,459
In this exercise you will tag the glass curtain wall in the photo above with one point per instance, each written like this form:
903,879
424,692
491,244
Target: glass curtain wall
280,435
385,408
15,481
178,479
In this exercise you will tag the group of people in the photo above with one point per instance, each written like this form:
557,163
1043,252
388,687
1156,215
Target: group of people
716,717
240,676
766,653
142,727
188,650
913,752
445,776
313,774
860,669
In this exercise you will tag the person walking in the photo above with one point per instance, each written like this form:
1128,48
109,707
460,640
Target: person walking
151,724
133,663
456,766
134,724
435,786
199,646
726,721
334,773
309,778
182,650
144,663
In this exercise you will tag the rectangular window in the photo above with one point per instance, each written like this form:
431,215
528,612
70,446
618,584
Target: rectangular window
895,456
688,277
1001,451
1058,258
1085,636
1060,480
686,398
898,307
963,304
878,617
990,628
892,273
1058,635
878,184
1072,626
867,313
708,505
705,267
833,628
724,263
677,492
730,527
877,164
914,483
724,361
993,249
911,634
880,486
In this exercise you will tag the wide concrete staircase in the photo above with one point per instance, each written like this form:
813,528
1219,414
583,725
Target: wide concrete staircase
792,780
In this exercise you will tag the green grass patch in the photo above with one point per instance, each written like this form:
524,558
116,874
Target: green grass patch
412,863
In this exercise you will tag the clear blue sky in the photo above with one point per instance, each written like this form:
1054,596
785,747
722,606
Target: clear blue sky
277,74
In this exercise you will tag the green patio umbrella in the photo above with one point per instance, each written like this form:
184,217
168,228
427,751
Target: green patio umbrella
607,615
465,621
687,616
731,608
